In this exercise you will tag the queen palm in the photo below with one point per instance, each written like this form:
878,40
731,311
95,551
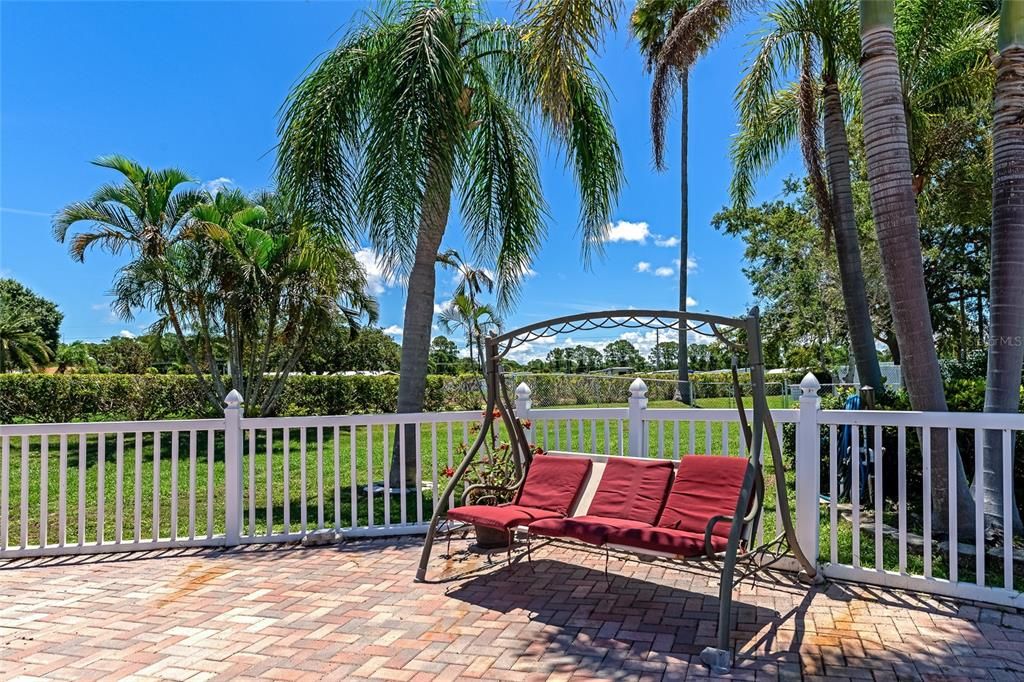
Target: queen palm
21,346
430,99
651,23
814,41
890,178
1006,349
470,283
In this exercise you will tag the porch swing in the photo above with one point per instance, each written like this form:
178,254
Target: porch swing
703,508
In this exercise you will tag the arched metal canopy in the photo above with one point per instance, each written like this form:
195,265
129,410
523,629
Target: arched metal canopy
719,327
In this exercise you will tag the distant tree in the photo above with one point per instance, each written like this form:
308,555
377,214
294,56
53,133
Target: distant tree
664,354
21,346
370,350
42,314
77,355
582,358
120,355
537,366
556,360
622,353
444,355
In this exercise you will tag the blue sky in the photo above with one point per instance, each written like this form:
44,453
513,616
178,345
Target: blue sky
198,85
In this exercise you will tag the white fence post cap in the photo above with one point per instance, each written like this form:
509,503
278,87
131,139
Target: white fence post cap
523,391
810,384
638,388
233,399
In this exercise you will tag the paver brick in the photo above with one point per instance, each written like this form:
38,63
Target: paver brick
354,612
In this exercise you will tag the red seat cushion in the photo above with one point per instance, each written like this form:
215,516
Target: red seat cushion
500,517
593,530
667,540
632,489
705,486
553,483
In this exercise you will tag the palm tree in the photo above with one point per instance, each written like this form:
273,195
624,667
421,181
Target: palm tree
144,215
474,319
472,282
255,283
652,22
428,99
800,36
1006,338
21,346
890,180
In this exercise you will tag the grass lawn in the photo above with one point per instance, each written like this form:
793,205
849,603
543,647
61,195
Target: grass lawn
335,461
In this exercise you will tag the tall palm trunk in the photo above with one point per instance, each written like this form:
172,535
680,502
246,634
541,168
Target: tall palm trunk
1006,336
683,378
899,241
851,274
419,313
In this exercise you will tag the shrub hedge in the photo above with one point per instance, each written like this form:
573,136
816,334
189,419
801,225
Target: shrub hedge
138,397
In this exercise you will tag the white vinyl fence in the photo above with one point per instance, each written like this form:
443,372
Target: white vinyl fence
102,487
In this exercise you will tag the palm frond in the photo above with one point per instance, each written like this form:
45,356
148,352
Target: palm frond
761,141
502,204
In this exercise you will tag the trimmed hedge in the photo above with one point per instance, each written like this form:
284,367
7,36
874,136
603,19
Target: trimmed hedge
140,397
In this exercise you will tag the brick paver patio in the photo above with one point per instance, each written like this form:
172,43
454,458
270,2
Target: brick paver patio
353,612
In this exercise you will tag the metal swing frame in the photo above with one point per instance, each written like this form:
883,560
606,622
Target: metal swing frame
739,550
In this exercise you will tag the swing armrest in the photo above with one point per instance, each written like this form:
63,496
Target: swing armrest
755,509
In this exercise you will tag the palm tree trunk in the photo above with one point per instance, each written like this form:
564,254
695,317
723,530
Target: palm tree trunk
419,313
899,241
851,274
683,377
1006,302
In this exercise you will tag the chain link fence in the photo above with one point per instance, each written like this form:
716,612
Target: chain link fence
600,390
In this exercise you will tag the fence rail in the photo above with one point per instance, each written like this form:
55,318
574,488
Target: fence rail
121,486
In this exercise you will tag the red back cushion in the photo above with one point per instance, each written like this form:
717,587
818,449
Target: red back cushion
705,486
632,489
553,482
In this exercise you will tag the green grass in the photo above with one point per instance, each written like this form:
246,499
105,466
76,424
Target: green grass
180,480
84,473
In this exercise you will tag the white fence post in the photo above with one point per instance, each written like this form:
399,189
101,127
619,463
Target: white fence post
808,458
233,468
523,405
637,406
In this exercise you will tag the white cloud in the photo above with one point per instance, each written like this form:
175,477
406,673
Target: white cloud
625,231
530,272
666,241
25,211
690,302
125,334
393,330
217,185
642,266
376,281
691,264
439,307
664,272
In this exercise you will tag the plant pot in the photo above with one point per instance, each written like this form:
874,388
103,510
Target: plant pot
489,538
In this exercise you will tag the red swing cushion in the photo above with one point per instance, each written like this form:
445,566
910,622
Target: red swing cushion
705,486
629,495
499,517
552,484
